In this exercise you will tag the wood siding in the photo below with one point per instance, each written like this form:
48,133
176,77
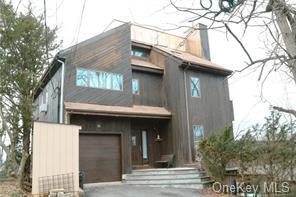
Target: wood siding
150,86
52,87
108,52
99,124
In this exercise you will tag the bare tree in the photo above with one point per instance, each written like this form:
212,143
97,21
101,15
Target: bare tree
277,17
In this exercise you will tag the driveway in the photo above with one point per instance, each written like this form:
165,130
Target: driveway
122,190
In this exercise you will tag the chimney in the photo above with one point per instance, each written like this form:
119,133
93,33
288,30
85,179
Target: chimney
197,42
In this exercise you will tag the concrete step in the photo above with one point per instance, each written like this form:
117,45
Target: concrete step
167,171
169,177
187,186
165,181
199,177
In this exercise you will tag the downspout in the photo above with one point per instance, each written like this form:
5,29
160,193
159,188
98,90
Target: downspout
187,113
61,120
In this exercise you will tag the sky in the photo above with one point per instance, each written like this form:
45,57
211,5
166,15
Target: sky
251,101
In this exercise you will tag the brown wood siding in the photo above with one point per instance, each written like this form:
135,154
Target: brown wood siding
100,157
108,125
174,100
213,109
150,86
108,52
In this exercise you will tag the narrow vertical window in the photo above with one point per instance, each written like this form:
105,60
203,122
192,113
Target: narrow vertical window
195,87
198,133
82,77
135,86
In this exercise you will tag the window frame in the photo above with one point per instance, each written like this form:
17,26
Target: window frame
202,132
138,82
98,74
194,86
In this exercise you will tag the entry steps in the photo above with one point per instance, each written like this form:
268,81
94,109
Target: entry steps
168,177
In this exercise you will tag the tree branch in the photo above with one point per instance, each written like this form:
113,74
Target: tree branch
289,111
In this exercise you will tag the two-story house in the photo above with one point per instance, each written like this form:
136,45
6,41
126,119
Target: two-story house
138,93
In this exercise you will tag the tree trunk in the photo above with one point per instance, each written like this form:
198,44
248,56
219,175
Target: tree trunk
287,26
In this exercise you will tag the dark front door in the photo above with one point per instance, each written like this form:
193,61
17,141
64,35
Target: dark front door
139,147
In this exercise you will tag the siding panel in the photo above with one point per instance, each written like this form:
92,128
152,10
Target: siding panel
110,53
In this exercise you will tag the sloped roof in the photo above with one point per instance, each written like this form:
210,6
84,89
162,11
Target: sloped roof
143,63
120,111
194,60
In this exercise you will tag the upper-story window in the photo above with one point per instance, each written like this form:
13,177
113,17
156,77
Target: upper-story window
195,87
198,133
135,86
104,80
140,52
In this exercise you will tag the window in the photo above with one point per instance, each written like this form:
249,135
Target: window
140,52
197,133
104,80
195,87
135,86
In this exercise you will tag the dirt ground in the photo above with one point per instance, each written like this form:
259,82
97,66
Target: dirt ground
9,188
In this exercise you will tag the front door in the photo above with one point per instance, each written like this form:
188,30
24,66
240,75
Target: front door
139,147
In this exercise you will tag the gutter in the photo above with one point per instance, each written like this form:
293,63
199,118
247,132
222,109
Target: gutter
187,113
61,119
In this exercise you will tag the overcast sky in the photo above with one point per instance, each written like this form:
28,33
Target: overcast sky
249,106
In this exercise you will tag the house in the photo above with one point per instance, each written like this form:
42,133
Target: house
138,93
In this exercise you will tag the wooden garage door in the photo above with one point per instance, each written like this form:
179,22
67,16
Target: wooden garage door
100,157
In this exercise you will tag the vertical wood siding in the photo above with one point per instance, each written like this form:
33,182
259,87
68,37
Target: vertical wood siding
150,86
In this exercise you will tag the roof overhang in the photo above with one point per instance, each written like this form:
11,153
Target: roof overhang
136,111
49,72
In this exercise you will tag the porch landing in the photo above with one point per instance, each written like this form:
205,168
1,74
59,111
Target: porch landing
168,177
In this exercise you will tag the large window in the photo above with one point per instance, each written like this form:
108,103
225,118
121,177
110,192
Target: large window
135,86
195,87
105,80
197,133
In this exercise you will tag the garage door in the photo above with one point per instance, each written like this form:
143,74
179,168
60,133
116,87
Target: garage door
100,157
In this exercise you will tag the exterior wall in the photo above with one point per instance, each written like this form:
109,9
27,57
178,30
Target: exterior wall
150,86
174,101
108,52
55,152
93,124
213,109
52,87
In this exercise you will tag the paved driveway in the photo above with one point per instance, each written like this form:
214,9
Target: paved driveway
122,190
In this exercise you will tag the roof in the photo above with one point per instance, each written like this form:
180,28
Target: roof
146,64
194,60
118,111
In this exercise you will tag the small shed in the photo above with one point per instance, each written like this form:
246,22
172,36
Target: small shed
55,158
